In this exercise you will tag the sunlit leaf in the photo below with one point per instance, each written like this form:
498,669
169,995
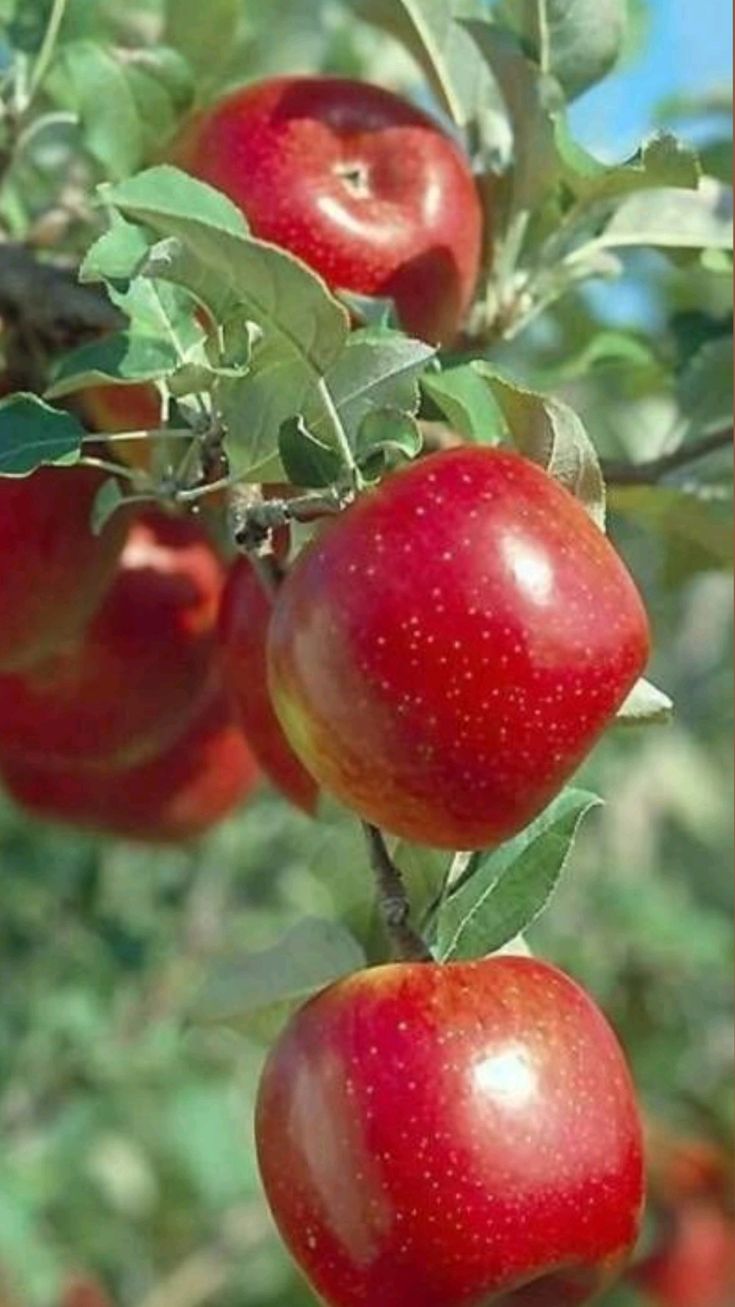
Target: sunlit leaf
506,889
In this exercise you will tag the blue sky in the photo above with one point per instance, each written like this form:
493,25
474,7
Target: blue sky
688,48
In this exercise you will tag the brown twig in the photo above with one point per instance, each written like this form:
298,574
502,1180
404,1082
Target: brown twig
395,909
45,310
269,572
255,519
50,299
619,473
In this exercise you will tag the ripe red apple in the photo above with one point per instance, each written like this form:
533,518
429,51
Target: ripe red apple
446,652
694,1264
452,1136
54,571
176,796
133,682
358,183
243,626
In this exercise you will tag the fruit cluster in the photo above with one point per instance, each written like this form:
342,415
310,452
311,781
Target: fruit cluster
441,657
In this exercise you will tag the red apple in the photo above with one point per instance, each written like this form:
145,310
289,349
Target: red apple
118,408
452,1136
54,570
244,618
133,682
357,183
446,652
124,408
694,1264
176,796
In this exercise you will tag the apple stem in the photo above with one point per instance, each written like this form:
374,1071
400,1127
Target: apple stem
268,571
254,519
406,942
215,463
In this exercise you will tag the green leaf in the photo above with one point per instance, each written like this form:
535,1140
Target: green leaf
157,113
117,255
370,310
87,80
704,388
32,434
386,436
158,308
646,705
506,889
170,69
662,160
304,328
306,460
163,314
121,357
164,336
531,101
463,83
374,389
465,399
551,434
175,204
578,41
672,218
108,499
377,369
241,990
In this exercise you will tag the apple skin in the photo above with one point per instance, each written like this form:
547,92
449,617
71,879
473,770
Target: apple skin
175,797
54,570
410,225
243,628
446,652
452,1136
116,409
133,681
